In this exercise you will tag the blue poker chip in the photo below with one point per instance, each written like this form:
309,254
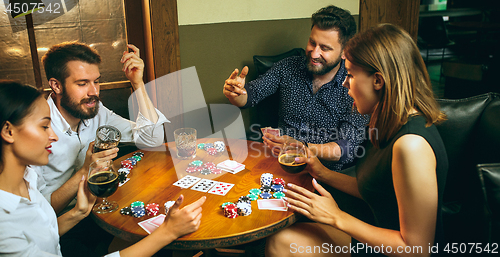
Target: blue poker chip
265,195
277,188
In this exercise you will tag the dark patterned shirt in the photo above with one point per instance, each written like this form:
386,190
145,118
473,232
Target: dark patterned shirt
320,118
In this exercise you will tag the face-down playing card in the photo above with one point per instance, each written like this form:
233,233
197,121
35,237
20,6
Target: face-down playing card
221,188
204,185
186,181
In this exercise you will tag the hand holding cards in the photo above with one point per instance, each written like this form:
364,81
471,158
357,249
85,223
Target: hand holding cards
272,131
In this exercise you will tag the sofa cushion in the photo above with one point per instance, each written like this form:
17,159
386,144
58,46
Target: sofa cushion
489,175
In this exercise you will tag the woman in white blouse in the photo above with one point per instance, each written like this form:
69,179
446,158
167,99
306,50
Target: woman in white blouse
28,224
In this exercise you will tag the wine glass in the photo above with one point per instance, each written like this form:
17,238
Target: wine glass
291,149
102,182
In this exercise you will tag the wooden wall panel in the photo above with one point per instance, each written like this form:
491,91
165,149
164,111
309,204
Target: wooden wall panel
403,13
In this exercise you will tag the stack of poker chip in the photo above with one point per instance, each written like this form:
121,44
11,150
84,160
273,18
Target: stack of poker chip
127,165
201,146
279,181
220,146
224,204
244,208
231,211
168,205
138,209
279,195
152,209
266,179
265,192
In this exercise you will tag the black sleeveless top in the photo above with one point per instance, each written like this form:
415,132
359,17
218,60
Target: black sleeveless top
374,175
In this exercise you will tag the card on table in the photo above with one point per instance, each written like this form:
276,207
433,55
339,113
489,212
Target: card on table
221,188
158,220
231,166
272,204
146,225
186,181
204,185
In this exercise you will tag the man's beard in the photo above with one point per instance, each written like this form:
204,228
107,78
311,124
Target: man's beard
324,68
76,109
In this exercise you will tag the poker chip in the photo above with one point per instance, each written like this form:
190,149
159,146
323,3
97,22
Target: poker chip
128,166
265,195
224,204
253,197
231,211
137,157
201,146
199,169
123,170
132,160
138,211
168,205
244,209
211,151
254,191
217,171
125,162
205,171
245,199
141,154
137,203
279,181
266,179
277,188
208,145
209,165
152,209
196,163
126,211
265,189
219,146
191,169
122,177
279,195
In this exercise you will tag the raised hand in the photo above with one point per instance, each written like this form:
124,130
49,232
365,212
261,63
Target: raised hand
133,66
274,142
234,87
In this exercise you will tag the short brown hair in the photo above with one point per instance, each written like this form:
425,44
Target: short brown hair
56,59
340,20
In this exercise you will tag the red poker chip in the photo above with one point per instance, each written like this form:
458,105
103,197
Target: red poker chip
191,169
209,164
199,169
216,171
128,166
279,181
212,151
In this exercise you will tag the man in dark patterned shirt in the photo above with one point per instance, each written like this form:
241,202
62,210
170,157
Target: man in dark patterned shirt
314,106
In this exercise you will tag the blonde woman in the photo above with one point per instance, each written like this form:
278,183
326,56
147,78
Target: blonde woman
403,167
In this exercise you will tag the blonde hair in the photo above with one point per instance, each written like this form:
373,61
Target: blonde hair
388,49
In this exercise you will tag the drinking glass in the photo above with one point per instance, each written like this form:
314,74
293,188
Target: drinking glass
106,137
291,149
185,141
102,181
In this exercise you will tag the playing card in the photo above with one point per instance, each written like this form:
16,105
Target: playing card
204,185
186,181
231,166
274,132
158,220
146,225
221,188
272,204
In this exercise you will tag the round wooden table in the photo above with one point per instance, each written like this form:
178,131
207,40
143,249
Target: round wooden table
151,182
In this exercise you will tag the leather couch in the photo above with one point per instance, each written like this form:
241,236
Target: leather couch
471,135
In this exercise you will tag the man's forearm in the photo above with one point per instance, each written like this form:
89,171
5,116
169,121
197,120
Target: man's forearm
146,107
328,152
67,192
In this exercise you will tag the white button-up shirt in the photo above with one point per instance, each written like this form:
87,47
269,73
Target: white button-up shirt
68,153
29,227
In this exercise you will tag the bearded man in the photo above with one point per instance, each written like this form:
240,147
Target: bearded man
72,70
314,106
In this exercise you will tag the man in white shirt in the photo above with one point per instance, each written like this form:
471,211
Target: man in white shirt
73,74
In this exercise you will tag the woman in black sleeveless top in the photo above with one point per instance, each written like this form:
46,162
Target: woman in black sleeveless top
402,167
